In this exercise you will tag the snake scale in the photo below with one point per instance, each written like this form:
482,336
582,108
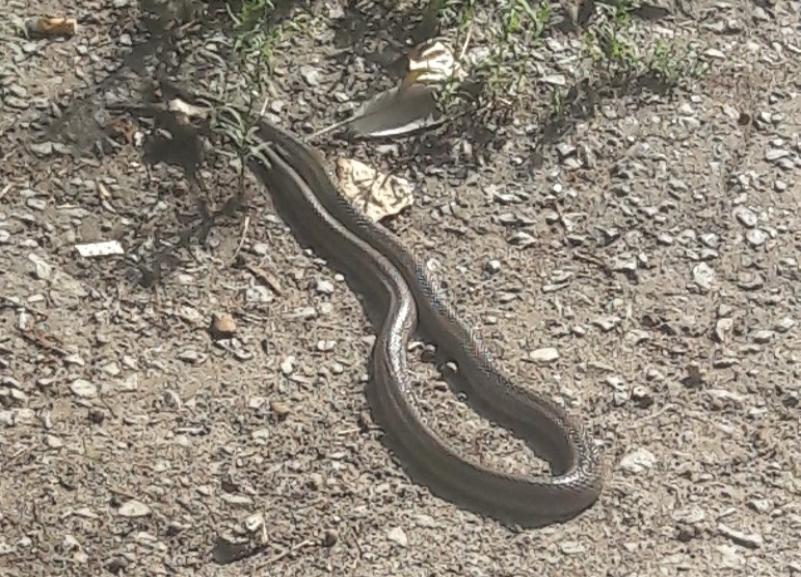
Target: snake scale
406,300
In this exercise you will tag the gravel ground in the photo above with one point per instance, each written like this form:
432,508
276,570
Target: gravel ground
652,244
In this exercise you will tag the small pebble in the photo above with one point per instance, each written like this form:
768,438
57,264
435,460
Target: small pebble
746,216
133,508
330,537
493,266
398,536
704,276
280,409
544,355
324,287
763,336
638,461
325,346
83,388
288,366
756,237
571,548
41,269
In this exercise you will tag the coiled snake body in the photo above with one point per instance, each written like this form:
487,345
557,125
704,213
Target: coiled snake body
404,294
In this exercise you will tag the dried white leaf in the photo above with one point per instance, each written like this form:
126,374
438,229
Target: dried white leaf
374,194
431,63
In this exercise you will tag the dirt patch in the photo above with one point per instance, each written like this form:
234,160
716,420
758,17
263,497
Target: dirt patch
651,238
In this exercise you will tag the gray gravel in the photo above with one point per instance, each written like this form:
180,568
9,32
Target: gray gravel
643,269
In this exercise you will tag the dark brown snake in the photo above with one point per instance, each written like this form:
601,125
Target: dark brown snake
406,299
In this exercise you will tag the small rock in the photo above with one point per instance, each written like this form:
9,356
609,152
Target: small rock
426,521
750,281
280,409
723,328
326,345
606,324
223,326
42,148
694,378
638,461
776,154
704,276
260,248
710,239
41,269
330,537
565,150
324,287
112,369
763,336
258,294
544,355
305,313
133,508
715,53
730,558
571,548
190,356
555,79
96,416
241,501
692,515
398,536
746,216
316,481
228,550
117,564
310,74
493,266
74,359
288,365
624,263
756,237
642,396
749,540
53,442
83,388
760,505
70,543
719,398
784,324
36,204
522,239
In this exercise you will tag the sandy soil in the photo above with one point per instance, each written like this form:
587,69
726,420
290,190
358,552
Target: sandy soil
660,258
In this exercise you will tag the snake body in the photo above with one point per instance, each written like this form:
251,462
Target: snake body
407,300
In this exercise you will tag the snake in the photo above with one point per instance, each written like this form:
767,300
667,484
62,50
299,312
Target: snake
405,299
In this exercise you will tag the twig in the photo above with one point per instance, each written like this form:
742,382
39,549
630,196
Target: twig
242,237
264,106
466,41
592,260
8,302
638,422
285,553
270,280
